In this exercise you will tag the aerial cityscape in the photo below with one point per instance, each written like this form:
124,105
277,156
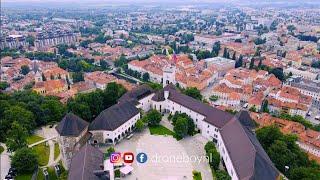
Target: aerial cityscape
160,90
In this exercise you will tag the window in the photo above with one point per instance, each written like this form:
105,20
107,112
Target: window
208,125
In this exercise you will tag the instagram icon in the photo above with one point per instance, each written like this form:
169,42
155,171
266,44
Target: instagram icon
115,157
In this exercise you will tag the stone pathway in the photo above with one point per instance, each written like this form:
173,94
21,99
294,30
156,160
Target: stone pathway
166,123
51,155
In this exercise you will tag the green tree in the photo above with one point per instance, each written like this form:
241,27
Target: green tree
53,110
251,63
146,77
77,76
193,92
280,155
209,145
17,137
139,125
154,117
239,62
222,175
121,61
25,160
100,38
265,106
304,173
3,85
268,135
278,72
234,56
213,154
181,127
253,109
30,40
43,77
16,113
63,63
216,48
25,69
109,151
191,126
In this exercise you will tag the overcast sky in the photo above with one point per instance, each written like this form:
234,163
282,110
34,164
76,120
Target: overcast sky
87,3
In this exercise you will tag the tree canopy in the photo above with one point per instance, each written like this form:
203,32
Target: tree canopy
283,151
24,160
193,92
153,117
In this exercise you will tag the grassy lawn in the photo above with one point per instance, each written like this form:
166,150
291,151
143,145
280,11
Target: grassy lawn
161,130
56,150
43,152
33,139
23,177
1,149
52,174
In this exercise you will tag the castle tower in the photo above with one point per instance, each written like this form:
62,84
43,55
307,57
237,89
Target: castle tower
169,75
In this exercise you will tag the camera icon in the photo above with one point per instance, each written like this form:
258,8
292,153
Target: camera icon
115,157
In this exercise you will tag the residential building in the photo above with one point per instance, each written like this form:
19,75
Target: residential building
299,72
50,87
308,140
289,100
49,39
13,42
307,87
222,65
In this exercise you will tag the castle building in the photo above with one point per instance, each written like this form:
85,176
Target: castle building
240,150
73,134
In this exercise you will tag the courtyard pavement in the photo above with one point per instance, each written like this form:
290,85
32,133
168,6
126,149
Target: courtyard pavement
168,159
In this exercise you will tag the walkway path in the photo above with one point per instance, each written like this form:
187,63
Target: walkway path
42,141
5,161
166,123
51,155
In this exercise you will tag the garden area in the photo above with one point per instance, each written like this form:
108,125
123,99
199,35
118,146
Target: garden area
214,155
43,151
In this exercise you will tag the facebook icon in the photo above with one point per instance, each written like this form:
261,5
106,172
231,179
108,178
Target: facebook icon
142,157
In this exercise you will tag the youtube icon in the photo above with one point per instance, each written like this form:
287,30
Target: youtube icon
128,157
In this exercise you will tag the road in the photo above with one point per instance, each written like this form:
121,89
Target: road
5,162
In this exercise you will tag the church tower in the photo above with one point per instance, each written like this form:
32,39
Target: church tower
169,75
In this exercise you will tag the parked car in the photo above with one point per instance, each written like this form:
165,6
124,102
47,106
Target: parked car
317,118
245,105
130,136
309,113
8,177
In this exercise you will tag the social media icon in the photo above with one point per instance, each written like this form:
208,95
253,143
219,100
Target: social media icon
115,157
128,157
142,157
